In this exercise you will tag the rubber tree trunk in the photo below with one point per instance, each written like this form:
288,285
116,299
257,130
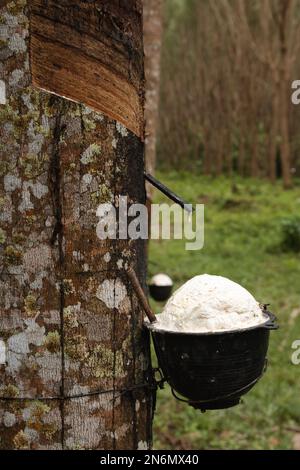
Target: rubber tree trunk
70,324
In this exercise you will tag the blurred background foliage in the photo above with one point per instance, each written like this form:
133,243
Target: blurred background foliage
226,73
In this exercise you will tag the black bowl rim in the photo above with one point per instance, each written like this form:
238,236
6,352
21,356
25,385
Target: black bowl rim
151,327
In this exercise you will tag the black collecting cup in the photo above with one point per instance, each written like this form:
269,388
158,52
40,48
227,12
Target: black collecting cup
213,370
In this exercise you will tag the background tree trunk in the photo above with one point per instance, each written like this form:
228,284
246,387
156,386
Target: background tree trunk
152,40
285,17
273,144
236,76
70,322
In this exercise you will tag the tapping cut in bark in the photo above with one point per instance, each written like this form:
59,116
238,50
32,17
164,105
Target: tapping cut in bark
91,53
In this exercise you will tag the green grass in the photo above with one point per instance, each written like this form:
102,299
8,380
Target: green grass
242,242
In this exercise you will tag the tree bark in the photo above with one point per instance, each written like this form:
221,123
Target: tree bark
273,137
285,151
70,322
152,40
254,172
283,88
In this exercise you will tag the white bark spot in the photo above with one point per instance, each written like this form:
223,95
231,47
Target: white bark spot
49,221
26,203
26,414
38,190
77,255
11,20
9,419
31,434
17,43
2,352
36,139
6,209
120,263
143,445
37,284
2,92
96,115
15,77
73,127
126,253
27,101
18,345
111,292
121,431
107,257
34,334
45,123
87,178
89,154
11,183
4,32
121,129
